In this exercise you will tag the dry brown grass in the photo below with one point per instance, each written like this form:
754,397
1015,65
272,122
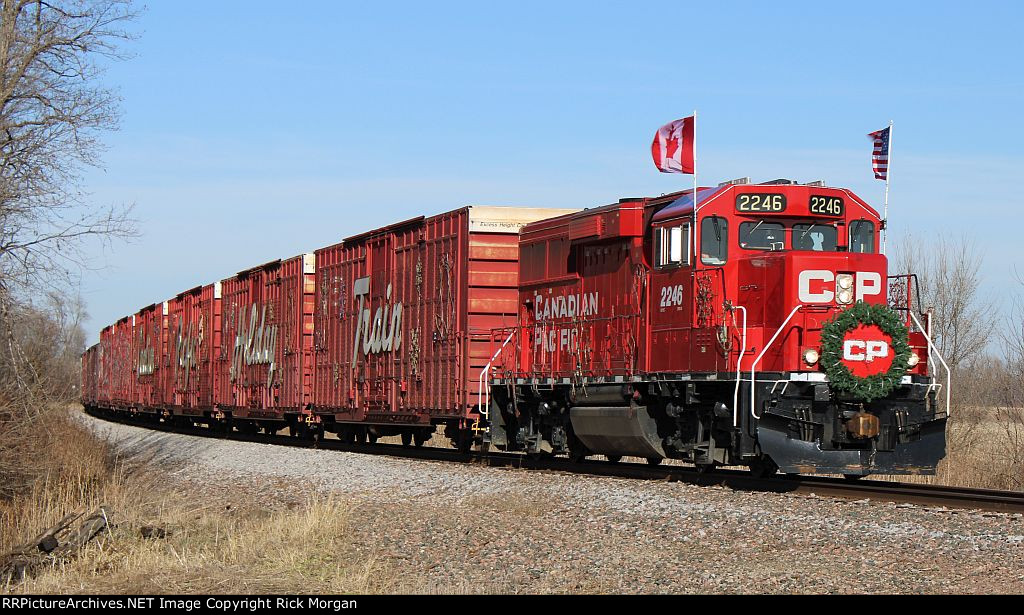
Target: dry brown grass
216,541
984,449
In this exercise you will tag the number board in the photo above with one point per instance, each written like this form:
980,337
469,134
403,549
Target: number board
760,203
827,205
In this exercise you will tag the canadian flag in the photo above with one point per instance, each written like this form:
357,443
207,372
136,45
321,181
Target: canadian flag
673,146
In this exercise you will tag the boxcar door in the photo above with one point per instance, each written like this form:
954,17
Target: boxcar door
381,270
670,298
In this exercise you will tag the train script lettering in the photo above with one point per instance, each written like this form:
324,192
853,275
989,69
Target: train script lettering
187,344
147,361
254,342
383,331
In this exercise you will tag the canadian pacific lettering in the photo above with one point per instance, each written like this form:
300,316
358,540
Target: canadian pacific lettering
572,306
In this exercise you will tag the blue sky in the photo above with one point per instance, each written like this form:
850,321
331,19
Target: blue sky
256,130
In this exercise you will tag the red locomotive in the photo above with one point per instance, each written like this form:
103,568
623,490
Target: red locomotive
751,329
757,326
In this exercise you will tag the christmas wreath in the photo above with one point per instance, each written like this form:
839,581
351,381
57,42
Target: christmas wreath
835,333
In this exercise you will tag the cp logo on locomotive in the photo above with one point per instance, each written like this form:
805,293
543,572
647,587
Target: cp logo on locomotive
817,285
867,351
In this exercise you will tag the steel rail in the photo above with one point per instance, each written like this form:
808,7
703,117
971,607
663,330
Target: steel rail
939,496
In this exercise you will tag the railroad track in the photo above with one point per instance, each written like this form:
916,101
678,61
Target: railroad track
883,491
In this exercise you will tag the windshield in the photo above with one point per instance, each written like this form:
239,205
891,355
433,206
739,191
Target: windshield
815,237
762,235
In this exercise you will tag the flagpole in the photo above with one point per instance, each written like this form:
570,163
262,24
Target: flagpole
888,174
693,231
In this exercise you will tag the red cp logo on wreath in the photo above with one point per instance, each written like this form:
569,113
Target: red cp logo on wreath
867,351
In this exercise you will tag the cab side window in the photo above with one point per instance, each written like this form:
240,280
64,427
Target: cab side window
714,241
672,245
862,237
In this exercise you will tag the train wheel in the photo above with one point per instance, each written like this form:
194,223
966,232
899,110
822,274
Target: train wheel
763,467
578,454
853,477
247,427
420,438
705,468
614,458
371,437
317,435
578,451
653,461
406,438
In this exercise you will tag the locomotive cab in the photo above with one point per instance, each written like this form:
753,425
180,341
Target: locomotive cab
756,325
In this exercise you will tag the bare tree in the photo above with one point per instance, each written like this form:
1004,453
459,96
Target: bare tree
52,111
948,271
1009,415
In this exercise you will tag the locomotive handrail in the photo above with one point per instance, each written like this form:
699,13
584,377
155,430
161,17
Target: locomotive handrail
481,390
739,363
753,367
931,348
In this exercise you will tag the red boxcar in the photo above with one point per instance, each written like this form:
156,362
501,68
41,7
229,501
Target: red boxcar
194,331
263,369
116,387
90,375
404,315
149,352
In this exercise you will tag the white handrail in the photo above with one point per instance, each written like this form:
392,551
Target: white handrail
753,367
739,362
932,347
481,391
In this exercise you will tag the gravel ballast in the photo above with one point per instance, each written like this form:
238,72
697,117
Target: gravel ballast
448,527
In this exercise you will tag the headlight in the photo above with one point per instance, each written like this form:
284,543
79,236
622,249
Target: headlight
913,360
844,281
845,296
811,356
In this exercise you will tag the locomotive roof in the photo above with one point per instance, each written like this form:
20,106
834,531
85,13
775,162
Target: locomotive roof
684,204
680,204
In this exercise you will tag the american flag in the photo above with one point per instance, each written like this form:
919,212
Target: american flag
880,155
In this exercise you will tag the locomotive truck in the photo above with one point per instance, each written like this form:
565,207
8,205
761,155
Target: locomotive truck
744,324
